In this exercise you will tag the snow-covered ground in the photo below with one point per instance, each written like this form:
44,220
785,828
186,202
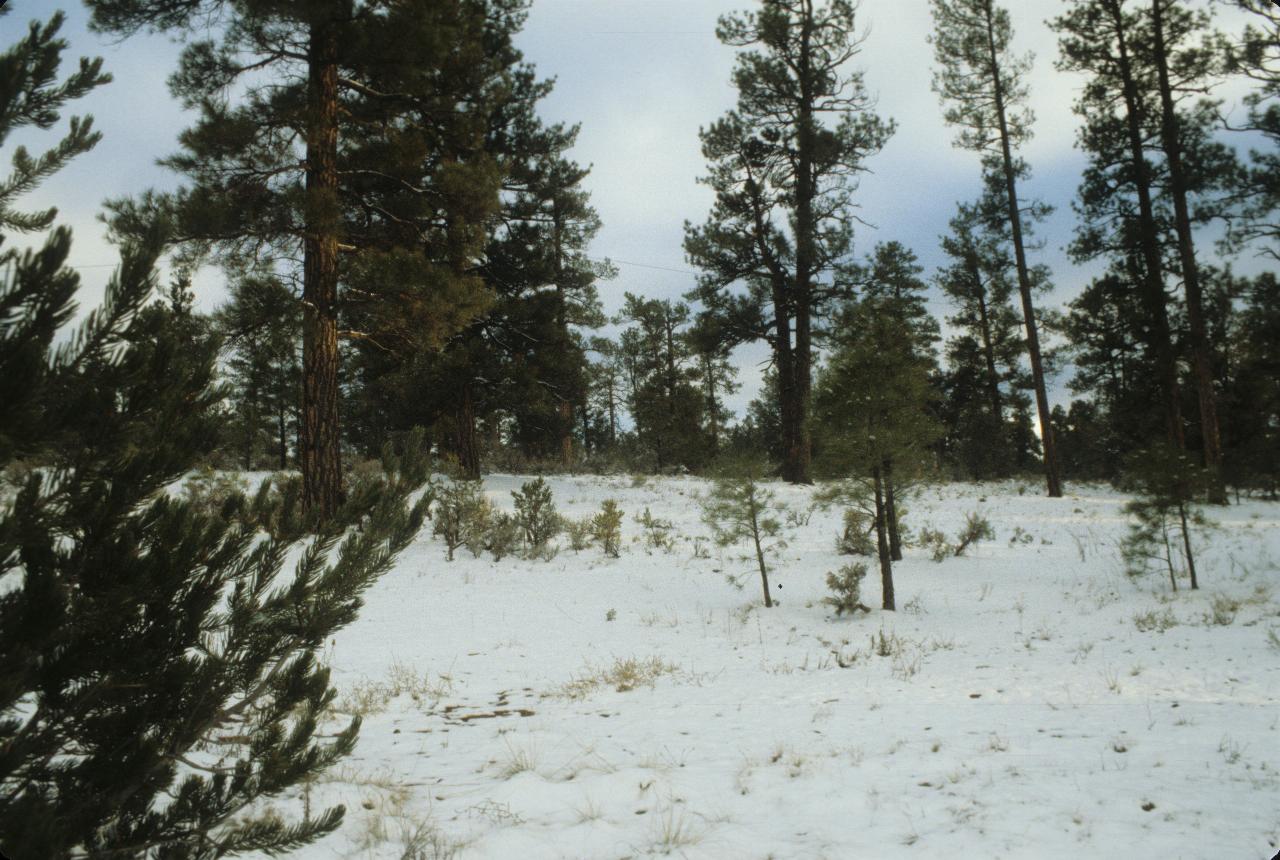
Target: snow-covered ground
1021,711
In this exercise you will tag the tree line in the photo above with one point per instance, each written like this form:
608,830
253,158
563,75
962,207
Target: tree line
405,244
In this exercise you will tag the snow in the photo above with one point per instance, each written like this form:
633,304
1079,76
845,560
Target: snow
1021,713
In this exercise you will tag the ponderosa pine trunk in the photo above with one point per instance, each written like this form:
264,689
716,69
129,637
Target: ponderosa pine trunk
466,442
882,546
755,538
1053,473
1153,294
891,513
1200,353
319,442
800,452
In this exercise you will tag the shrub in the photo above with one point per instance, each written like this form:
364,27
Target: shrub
657,532
976,528
462,516
846,588
536,513
504,536
209,491
579,531
606,528
855,538
936,542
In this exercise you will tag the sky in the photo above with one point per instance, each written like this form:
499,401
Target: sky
641,77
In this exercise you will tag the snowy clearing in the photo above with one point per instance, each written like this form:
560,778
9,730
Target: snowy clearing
1031,700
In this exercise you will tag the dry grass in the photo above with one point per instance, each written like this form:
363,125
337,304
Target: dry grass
624,675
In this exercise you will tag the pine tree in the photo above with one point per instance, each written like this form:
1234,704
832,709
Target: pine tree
357,147
784,166
890,280
984,357
665,400
1152,151
984,87
261,331
154,683
872,407
1255,196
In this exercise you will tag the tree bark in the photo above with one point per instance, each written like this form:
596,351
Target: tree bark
466,445
800,452
1053,475
319,442
764,570
1200,354
882,546
891,513
1162,342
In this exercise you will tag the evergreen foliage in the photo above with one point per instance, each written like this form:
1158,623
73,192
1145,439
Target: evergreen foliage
739,508
784,166
983,85
606,528
1166,514
846,589
159,671
536,513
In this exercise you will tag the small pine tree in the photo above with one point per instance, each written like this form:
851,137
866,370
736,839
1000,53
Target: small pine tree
606,528
462,517
1165,513
846,589
740,508
536,513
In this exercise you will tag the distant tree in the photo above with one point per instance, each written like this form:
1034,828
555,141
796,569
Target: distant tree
664,400
984,87
715,376
261,328
984,356
1255,196
784,166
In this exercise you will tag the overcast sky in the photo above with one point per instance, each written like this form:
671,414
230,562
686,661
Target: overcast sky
641,76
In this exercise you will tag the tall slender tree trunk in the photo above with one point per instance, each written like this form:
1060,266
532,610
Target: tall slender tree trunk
800,453
764,570
319,442
1200,353
282,440
1053,473
565,407
1161,340
882,545
891,513
466,443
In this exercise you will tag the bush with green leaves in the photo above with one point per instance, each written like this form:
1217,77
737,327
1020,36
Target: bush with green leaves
740,509
657,533
504,536
855,536
462,516
536,513
935,542
606,528
578,530
846,589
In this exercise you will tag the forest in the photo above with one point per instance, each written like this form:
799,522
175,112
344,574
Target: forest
413,350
